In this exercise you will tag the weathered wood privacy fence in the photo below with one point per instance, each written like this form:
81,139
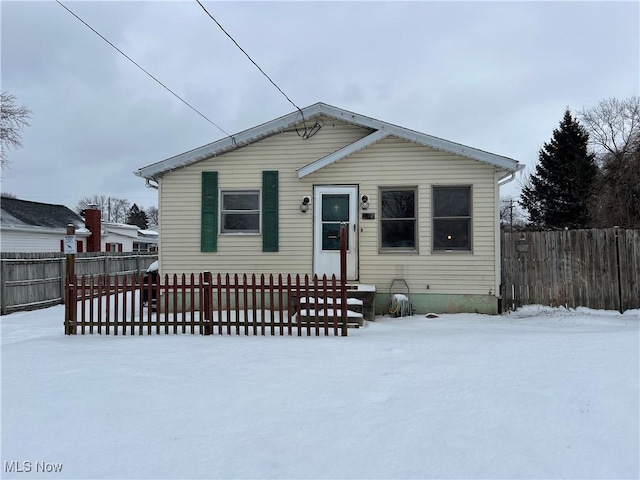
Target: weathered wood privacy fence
37,280
591,268
206,304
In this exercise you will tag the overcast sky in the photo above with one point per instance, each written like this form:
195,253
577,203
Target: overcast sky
492,75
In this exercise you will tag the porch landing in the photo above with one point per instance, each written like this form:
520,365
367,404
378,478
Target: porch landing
360,304
366,293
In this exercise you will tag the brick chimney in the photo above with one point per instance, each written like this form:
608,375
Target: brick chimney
92,222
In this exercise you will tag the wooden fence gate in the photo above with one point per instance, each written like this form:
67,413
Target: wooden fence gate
592,268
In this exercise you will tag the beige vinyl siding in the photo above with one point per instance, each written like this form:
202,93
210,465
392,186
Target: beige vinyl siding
390,163
394,162
242,169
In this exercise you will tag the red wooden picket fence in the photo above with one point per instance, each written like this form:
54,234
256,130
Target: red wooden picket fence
205,304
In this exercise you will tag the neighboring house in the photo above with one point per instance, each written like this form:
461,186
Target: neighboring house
271,199
121,237
147,241
38,227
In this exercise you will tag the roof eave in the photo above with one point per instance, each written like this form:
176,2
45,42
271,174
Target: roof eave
152,172
156,170
47,230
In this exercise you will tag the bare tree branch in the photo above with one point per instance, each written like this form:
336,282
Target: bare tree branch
152,215
612,125
13,118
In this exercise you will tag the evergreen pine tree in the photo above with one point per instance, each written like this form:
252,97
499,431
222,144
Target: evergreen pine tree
558,194
137,217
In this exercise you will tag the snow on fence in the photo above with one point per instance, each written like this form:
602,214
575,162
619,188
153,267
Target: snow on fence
591,268
206,305
36,280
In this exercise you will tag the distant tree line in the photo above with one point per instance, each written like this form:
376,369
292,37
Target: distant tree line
120,210
588,174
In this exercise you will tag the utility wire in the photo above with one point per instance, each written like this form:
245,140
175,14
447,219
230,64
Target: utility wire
137,65
251,59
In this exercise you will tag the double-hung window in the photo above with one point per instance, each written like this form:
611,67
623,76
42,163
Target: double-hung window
240,212
398,221
452,218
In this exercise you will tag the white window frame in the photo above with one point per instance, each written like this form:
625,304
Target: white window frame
223,212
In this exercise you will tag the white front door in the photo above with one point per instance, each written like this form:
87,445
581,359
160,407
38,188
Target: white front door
333,205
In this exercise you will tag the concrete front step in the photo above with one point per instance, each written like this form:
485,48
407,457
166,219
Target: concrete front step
360,301
354,319
330,307
353,304
366,294
338,301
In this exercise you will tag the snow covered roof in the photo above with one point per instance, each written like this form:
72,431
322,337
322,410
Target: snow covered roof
24,213
379,130
117,225
129,231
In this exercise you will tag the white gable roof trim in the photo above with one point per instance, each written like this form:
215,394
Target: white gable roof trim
350,149
81,232
286,122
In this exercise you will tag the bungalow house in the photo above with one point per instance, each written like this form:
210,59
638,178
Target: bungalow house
270,199
38,227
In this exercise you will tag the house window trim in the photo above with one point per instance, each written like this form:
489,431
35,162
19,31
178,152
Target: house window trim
416,231
440,251
222,211
114,247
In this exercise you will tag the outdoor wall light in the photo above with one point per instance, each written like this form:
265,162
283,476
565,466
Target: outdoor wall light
364,202
304,206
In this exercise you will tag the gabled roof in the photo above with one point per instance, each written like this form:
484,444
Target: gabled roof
21,213
379,129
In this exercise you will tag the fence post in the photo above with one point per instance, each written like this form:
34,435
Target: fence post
70,307
616,229
63,278
208,304
343,278
3,287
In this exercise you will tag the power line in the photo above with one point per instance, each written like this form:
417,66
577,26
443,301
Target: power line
137,65
251,59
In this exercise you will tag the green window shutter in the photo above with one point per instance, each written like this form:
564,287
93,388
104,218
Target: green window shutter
269,211
209,216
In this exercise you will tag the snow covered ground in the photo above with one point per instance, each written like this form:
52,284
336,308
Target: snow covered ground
539,393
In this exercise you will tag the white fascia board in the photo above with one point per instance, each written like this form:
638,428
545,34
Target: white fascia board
80,232
455,148
350,149
148,241
422,138
223,145
154,171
